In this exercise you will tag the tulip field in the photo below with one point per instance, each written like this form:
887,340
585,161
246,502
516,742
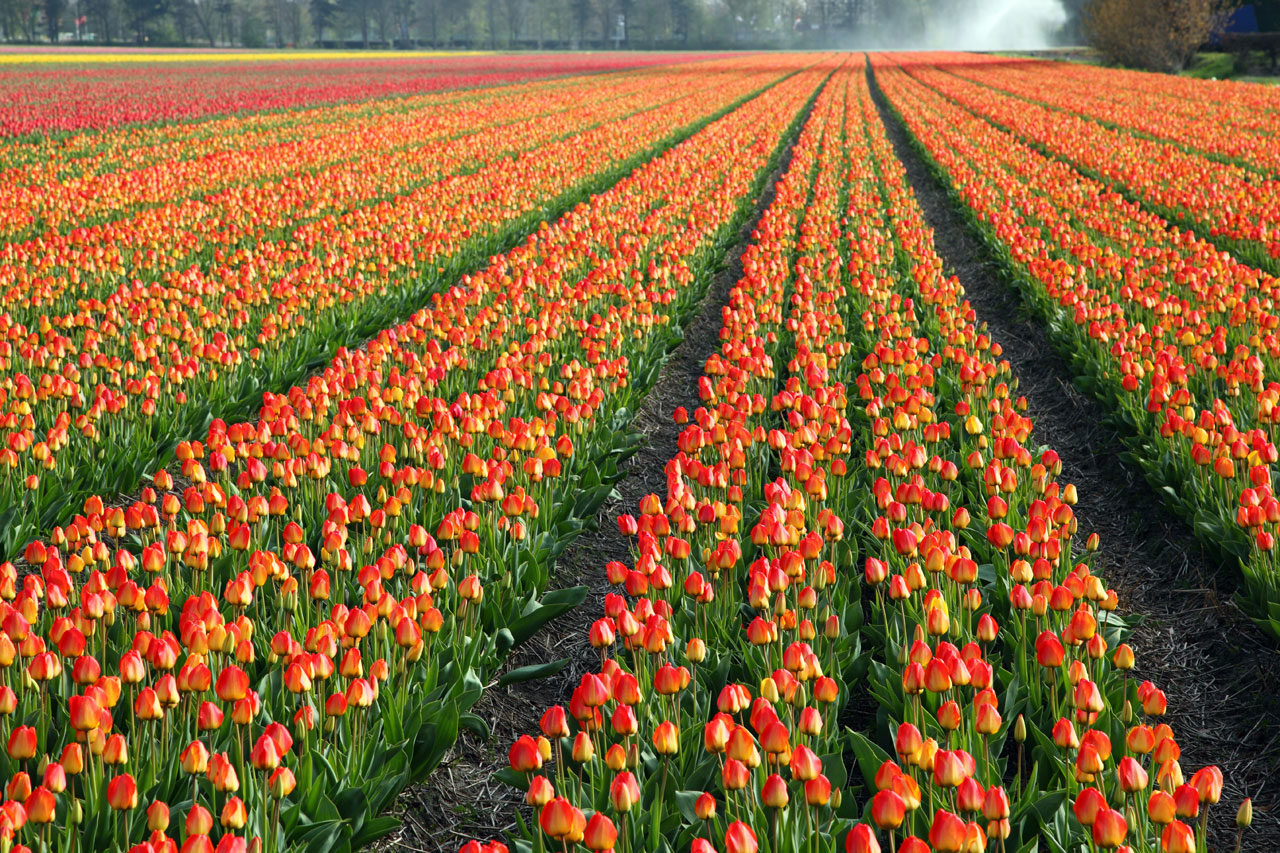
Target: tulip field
313,370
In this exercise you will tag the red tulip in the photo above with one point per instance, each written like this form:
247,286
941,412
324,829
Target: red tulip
624,792
774,793
122,792
22,743
947,832
559,818
888,809
861,839
1109,829
739,838
600,833
1178,838
524,755
41,806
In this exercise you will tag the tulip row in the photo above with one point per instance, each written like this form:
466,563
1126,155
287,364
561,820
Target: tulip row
1199,117
118,178
1016,592
711,608
620,769
1237,206
1173,334
43,101
55,273
124,375
310,604
84,156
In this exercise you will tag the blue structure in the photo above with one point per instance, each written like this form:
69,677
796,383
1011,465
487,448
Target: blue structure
1243,19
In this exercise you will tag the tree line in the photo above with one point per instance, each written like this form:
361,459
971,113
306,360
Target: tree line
493,24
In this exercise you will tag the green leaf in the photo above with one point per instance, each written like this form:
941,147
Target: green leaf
532,672
374,829
539,613
868,756
834,768
507,776
434,739
686,801
352,804
474,724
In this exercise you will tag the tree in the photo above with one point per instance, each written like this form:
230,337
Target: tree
625,8
515,17
1161,35
19,18
323,13
403,12
1268,12
357,12
53,16
429,21
144,13
680,19
581,13
201,12
101,15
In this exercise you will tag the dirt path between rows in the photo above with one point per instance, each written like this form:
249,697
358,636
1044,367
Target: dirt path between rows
1221,674
461,800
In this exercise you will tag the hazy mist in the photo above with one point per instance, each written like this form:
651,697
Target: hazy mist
969,25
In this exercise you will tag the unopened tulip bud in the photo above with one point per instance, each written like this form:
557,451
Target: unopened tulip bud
774,795
888,810
158,816
282,782
583,749
122,793
705,807
1244,815
1020,730
540,792
624,793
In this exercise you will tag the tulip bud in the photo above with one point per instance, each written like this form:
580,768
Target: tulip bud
861,839
1244,815
740,838
600,833
774,794
122,793
888,810
559,818
198,821
666,738
158,816
705,807
583,749
624,792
